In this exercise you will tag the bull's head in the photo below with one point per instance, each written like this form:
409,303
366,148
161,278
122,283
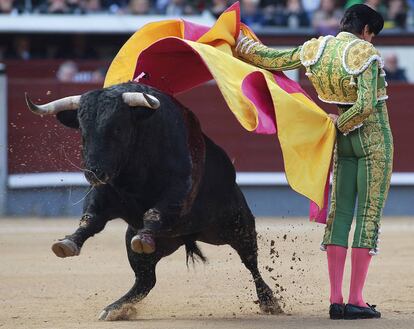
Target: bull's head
106,119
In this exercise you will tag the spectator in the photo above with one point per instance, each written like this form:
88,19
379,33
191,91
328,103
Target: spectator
377,5
393,71
397,13
20,50
115,6
410,13
251,13
78,48
295,15
327,18
54,7
160,5
7,7
310,6
98,76
218,7
75,7
91,6
139,7
274,3
273,13
292,15
178,8
67,71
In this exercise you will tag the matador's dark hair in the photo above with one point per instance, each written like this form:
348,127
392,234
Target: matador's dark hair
357,16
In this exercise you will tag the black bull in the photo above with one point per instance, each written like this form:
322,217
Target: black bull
151,156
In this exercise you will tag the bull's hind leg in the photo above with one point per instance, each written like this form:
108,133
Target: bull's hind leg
144,268
245,243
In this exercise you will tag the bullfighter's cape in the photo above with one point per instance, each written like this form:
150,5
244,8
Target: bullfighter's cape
177,55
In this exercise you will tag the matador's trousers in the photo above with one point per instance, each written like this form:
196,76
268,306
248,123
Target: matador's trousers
362,172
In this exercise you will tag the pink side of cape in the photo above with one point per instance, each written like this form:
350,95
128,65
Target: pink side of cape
254,87
193,31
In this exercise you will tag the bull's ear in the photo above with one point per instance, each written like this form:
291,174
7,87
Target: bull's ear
68,118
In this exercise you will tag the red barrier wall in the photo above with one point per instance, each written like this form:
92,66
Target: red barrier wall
39,144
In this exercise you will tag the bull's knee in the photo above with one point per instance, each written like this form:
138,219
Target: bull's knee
65,248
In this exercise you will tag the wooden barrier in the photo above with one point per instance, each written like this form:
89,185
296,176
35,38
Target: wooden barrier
42,145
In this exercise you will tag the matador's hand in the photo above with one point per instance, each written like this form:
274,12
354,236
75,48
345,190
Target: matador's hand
241,36
334,118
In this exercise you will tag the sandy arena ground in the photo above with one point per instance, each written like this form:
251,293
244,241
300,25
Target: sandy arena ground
39,290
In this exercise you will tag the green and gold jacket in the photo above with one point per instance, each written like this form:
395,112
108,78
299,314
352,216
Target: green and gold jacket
344,70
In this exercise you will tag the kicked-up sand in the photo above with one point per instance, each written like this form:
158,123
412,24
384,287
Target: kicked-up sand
39,290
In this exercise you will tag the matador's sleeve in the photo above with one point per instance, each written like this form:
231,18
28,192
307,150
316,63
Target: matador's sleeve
366,101
255,53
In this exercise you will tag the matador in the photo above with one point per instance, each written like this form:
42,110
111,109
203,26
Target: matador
346,70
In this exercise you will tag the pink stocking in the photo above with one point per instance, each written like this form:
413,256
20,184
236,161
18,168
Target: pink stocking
336,264
360,263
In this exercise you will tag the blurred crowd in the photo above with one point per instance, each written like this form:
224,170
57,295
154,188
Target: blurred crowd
323,15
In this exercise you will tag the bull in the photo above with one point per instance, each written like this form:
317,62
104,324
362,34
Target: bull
145,155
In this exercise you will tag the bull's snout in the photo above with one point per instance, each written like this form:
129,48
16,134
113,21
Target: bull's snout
96,176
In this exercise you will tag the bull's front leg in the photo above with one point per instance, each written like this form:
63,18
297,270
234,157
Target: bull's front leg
144,267
98,209
70,245
159,220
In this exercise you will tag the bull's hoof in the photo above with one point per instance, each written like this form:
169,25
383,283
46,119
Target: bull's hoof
143,243
271,307
65,248
125,312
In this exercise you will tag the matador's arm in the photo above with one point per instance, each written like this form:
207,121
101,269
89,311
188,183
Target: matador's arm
367,100
255,53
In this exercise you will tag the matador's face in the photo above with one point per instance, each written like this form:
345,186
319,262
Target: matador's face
367,35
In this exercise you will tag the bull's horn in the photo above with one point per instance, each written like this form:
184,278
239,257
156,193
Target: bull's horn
67,103
141,99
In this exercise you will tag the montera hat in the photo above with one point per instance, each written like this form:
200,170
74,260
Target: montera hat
366,15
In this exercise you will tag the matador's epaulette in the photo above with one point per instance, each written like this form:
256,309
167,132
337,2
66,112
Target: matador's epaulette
358,55
311,52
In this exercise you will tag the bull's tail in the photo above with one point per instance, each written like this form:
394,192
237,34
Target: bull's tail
192,251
